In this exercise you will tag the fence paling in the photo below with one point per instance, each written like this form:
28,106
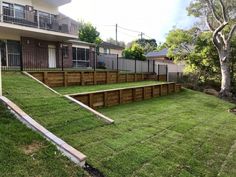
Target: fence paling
112,62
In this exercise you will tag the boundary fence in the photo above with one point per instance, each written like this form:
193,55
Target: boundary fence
113,62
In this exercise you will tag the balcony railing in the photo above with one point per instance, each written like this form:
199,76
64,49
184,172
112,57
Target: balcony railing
39,20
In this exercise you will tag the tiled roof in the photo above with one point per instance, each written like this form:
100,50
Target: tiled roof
162,53
111,46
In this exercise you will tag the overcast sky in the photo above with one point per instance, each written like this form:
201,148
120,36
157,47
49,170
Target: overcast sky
152,17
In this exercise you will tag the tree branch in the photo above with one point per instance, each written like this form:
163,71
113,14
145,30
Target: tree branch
216,34
233,29
223,37
213,10
209,24
223,9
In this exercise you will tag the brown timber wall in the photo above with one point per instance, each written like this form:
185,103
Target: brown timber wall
71,78
119,96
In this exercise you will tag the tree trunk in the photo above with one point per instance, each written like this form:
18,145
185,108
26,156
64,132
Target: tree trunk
226,77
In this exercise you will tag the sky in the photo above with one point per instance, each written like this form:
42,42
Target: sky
155,18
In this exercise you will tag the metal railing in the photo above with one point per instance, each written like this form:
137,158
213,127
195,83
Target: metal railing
60,59
37,19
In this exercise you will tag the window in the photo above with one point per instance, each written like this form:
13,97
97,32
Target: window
106,51
8,9
19,11
10,51
80,57
47,17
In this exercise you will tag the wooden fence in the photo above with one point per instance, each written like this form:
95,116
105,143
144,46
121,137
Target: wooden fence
71,78
126,95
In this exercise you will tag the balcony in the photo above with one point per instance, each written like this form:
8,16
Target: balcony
57,2
40,20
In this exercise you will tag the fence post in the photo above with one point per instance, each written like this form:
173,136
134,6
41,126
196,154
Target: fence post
117,57
154,66
135,64
167,74
21,57
158,72
62,57
94,61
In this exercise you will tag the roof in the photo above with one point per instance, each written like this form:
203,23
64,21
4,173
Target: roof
78,42
111,46
162,53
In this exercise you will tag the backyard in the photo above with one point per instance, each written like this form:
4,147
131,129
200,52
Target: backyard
184,134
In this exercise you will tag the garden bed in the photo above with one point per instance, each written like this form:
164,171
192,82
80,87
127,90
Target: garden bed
94,88
107,98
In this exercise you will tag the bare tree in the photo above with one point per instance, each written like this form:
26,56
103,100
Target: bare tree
220,17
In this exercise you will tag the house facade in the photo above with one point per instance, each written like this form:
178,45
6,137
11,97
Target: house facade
33,33
110,49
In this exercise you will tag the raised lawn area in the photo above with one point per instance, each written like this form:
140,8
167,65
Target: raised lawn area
184,134
25,153
83,89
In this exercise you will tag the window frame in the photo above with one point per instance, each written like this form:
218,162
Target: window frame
17,11
76,52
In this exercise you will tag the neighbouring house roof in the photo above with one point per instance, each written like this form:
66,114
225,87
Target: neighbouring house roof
162,53
111,46
78,42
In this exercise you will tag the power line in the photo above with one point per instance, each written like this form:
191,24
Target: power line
116,26
136,31
129,34
127,29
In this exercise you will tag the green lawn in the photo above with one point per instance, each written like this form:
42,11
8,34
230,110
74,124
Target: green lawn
184,134
25,153
82,89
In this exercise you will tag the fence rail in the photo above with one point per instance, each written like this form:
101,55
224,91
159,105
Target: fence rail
43,57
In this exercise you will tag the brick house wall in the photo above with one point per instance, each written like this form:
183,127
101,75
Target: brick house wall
35,53
67,60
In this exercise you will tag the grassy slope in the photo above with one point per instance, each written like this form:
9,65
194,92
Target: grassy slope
81,89
17,160
186,134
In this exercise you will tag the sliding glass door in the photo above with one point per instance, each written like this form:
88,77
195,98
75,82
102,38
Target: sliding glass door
80,57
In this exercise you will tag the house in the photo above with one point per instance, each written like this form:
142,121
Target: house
110,49
33,33
160,56
175,70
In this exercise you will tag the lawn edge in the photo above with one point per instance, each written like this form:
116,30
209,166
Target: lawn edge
98,114
123,88
74,155
34,78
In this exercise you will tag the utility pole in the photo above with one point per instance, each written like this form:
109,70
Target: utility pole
141,35
116,34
